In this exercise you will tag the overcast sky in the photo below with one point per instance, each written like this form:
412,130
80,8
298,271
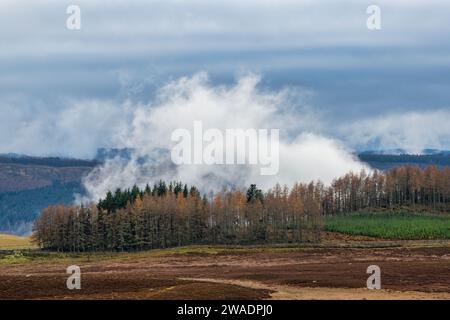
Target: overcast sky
388,88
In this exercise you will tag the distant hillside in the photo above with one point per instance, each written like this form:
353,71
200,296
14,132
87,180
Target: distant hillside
46,161
104,154
26,177
29,184
399,152
18,209
388,161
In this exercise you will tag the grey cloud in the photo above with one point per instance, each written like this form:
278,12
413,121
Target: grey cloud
126,50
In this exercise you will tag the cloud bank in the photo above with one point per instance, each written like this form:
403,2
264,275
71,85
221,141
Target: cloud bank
304,155
322,45
410,131
75,129
312,145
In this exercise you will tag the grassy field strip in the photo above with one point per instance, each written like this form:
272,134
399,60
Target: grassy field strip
11,242
406,226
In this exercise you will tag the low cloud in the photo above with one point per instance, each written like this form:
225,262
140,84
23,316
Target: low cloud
410,131
75,129
312,146
304,155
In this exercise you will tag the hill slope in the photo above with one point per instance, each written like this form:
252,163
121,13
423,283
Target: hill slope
11,242
28,184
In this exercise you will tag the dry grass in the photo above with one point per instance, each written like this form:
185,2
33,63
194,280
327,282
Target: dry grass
11,242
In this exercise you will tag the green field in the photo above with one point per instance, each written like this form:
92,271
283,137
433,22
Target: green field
407,226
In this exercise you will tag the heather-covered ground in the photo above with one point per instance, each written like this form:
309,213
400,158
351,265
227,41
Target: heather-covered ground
334,269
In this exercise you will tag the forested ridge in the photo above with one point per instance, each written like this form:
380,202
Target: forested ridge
390,160
22,197
48,161
19,209
174,214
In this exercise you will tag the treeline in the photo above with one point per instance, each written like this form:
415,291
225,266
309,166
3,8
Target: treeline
400,186
439,159
172,215
175,215
47,161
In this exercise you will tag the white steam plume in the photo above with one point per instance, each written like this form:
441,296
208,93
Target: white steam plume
304,156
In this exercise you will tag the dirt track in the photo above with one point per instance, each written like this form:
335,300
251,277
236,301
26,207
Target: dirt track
307,273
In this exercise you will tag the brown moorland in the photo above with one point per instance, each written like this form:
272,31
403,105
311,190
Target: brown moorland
336,269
